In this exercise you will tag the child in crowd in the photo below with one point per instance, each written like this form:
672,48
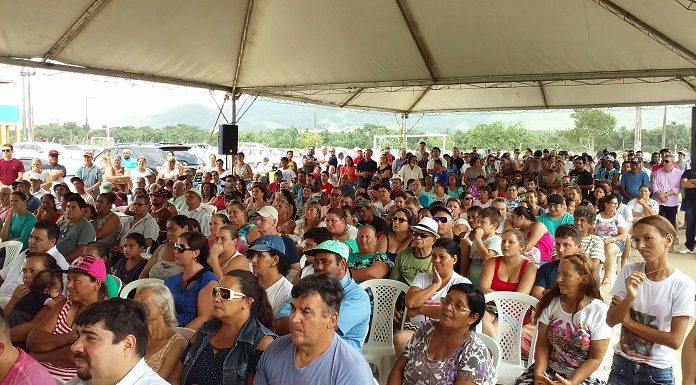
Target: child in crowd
47,285
128,269
483,244
592,245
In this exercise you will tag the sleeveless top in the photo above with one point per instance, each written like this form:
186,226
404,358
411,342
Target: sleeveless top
156,360
163,269
498,284
392,256
350,171
112,239
61,327
186,298
545,246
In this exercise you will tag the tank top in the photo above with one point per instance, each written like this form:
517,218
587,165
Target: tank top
61,327
545,246
156,360
163,269
112,239
498,284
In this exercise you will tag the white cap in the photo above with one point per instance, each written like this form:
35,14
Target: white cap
37,176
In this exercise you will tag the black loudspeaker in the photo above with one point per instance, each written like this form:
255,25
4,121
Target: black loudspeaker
228,138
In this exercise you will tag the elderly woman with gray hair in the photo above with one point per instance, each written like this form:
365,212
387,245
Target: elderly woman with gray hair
164,344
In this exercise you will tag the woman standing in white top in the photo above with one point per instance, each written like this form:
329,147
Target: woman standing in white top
652,301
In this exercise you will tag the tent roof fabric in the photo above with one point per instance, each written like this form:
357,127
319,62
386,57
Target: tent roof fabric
392,55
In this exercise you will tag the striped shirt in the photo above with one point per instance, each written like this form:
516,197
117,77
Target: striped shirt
62,327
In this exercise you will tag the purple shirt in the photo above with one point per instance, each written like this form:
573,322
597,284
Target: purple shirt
26,371
663,181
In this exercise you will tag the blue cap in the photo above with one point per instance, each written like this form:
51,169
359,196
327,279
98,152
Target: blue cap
268,243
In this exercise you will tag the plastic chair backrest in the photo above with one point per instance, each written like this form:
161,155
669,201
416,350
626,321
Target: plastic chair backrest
185,332
385,293
12,250
134,285
493,348
512,309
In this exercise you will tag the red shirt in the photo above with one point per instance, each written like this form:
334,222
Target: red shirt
9,170
327,188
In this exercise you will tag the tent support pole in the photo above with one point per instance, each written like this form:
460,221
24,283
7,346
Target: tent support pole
693,137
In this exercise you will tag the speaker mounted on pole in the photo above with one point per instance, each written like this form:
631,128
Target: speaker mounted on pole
228,139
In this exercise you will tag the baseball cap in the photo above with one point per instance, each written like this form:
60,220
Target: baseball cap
362,202
161,192
87,264
608,158
61,184
438,209
268,243
36,176
53,152
637,160
268,212
427,225
555,199
88,153
331,246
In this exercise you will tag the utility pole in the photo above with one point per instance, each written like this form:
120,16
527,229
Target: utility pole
27,106
664,128
638,133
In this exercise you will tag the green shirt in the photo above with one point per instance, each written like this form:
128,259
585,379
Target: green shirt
20,227
112,288
356,261
407,266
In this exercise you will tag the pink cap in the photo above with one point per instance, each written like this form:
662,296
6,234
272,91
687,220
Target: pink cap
87,264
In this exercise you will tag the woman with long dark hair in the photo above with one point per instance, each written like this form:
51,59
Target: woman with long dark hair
192,287
226,349
162,262
572,334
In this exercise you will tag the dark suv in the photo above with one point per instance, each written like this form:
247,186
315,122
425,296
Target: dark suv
156,154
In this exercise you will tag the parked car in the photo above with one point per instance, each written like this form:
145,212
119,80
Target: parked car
156,154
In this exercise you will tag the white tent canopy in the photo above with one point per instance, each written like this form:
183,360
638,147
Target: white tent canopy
393,55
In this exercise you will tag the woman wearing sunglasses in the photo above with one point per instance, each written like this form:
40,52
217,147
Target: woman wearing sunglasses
226,349
192,287
448,351
399,237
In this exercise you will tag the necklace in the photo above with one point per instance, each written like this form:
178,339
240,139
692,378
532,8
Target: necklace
656,270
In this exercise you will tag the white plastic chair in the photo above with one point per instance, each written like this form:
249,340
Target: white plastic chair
134,285
12,249
379,348
185,332
512,309
493,348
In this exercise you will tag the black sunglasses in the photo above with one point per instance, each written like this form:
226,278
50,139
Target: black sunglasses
421,235
179,248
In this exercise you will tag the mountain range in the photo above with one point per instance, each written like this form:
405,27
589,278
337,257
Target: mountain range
265,114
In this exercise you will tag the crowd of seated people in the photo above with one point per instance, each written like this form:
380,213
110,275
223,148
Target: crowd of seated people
264,266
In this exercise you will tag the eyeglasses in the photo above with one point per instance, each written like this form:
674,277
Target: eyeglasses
179,248
400,220
441,219
6,150
447,301
226,294
421,235
53,156
470,198
666,161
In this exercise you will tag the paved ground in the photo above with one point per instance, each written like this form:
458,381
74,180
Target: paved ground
685,263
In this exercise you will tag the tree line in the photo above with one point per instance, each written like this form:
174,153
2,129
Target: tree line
593,130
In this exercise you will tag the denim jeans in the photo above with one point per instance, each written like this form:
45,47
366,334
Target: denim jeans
690,216
627,372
